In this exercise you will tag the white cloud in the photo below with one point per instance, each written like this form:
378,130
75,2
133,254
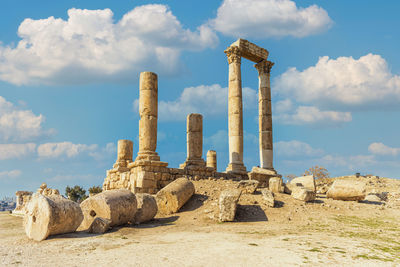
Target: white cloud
269,18
382,149
109,150
296,148
343,83
64,149
20,125
208,100
9,174
11,151
312,115
217,141
89,46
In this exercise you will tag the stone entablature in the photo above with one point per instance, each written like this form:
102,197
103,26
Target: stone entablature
251,51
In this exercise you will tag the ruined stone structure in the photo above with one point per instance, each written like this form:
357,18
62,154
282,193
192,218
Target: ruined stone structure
148,174
243,48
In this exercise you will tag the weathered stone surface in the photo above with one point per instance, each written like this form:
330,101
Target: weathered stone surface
125,150
303,194
268,197
172,197
262,176
347,190
99,226
194,141
372,198
251,51
276,185
247,186
148,111
305,181
22,198
119,206
51,215
228,200
146,207
212,159
44,190
235,112
265,114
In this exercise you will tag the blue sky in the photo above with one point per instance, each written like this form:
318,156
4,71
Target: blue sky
69,83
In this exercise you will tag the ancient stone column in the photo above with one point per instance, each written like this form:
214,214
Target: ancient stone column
194,131
125,150
265,114
148,110
212,159
235,112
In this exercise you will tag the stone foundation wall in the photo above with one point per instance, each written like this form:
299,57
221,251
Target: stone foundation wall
150,176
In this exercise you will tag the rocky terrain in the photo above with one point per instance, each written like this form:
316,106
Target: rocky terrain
293,232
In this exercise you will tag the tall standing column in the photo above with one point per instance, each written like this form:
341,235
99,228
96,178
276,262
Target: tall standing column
265,114
235,112
194,131
148,110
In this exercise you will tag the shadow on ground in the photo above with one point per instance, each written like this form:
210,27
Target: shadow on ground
250,213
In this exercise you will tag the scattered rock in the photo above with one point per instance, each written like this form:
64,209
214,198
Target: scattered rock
117,205
268,197
307,181
228,200
146,208
347,190
172,197
303,194
372,198
276,185
51,215
248,186
99,226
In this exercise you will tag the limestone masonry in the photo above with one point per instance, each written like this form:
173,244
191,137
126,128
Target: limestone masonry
148,174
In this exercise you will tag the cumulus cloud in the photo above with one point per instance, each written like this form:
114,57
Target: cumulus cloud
345,83
63,149
17,124
296,148
269,18
89,46
312,115
382,149
209,100
9,174
12,151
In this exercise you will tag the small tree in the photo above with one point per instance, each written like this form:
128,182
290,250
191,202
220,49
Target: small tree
95,190
317,171
76,193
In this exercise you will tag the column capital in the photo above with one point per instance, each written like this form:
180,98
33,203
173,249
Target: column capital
234,55
264,66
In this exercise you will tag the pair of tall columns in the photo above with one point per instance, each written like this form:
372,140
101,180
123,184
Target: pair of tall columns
235,113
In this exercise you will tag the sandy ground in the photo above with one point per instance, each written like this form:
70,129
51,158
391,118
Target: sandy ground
292,234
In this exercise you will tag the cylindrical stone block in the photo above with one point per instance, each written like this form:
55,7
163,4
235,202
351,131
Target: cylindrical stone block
146,208
51,215
347,190
212,159
148,109
147,133
172,197
119,206
194,136
125,150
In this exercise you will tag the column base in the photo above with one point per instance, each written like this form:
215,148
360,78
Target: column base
191,162
238,168
148,155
